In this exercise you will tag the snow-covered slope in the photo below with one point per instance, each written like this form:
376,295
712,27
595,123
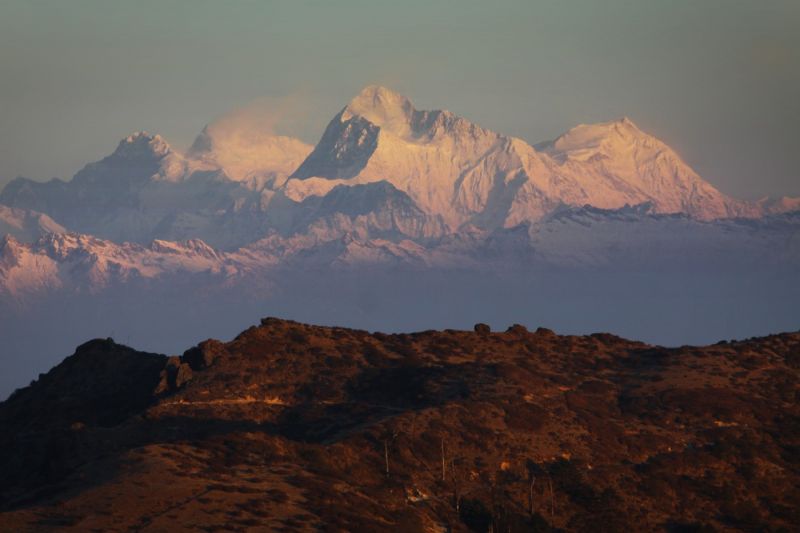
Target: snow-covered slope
82,263
143,190
448,166
371,210
784,204
259,159
632,164
625,240
26,225
466,174
634,239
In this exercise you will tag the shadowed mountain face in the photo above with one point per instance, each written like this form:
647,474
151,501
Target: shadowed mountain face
296,427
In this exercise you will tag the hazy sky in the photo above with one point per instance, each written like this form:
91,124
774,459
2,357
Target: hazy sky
719,80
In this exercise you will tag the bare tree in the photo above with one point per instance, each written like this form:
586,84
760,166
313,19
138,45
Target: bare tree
533,469
444,468
454,475
388,438
530,495
386,454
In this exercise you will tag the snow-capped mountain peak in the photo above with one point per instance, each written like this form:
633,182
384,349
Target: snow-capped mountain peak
142,144
429,155
607,138
466,174
382,168
616,161
394,114
139,156
25,224
383,108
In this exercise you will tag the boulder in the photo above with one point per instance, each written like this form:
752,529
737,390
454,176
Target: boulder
482,329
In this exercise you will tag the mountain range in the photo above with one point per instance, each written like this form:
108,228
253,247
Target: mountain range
392,208
450,173
386,178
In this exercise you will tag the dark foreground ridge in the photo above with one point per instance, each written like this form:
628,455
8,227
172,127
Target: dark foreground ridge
293,427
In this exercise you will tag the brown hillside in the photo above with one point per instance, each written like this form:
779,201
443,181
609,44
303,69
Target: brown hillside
292,427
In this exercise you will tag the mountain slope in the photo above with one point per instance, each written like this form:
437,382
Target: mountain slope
26,225
81,263
344,230
298,427
256,158
447,165
620,154
469,175
143,190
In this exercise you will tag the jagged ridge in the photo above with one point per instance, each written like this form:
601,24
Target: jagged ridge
231,190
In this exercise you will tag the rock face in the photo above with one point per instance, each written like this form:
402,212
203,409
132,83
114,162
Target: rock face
204,354
292,426
482,329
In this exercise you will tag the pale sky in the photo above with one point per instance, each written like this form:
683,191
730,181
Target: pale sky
719,80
